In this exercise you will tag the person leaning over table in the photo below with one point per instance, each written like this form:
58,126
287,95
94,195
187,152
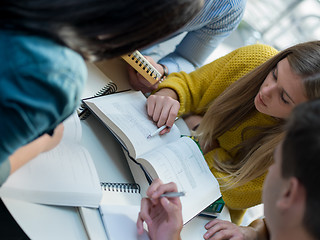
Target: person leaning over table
245,98
214,23
290,199
43,45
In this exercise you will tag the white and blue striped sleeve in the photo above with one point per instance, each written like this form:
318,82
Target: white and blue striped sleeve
205,32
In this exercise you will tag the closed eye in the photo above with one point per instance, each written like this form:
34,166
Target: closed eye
283,99
275,76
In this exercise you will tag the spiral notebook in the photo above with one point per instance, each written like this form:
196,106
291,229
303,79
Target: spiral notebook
83,111
119,209
143,66
104,78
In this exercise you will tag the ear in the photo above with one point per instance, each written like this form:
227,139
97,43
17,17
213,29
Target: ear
292,193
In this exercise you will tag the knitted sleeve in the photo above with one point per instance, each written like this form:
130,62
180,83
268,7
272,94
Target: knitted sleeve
239,198
199,88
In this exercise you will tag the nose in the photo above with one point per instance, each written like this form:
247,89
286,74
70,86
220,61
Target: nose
269,89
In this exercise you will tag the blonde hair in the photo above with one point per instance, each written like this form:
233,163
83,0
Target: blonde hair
254,154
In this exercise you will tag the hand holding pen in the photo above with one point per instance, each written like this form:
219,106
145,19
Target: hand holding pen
158,131
163,110
163,215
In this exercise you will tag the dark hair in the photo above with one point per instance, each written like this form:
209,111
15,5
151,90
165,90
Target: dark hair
300,154
98,29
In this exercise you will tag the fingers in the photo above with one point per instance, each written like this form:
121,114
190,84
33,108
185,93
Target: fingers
157,188
138,82
174,210
219,229
162,109
144,215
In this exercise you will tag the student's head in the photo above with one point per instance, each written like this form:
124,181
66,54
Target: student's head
294,78
99,29
291,194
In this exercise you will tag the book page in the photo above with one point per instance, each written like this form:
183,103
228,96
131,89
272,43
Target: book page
125,113
183,163
119,209
120,222
72,129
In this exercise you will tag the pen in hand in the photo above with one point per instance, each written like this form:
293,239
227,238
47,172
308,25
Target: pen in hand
159,130
173,194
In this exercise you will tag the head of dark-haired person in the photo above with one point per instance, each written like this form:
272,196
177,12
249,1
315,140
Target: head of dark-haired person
99,29
291,196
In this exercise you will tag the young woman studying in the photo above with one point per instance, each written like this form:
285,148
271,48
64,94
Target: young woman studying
245,98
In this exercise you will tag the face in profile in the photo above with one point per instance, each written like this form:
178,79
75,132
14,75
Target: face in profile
272,189
280,92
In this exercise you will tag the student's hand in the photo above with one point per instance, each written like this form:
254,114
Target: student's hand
163,108
219,230
138,82
162,215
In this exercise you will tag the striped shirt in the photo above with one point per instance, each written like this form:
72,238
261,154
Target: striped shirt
216,20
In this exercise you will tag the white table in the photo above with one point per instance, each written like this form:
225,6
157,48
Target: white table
52,222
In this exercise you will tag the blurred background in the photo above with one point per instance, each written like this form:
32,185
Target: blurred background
279,23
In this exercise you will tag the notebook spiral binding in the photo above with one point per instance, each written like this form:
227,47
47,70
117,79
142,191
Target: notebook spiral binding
143,66
83,111
121,187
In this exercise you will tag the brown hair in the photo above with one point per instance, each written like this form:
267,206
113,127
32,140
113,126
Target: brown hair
236,104
99,29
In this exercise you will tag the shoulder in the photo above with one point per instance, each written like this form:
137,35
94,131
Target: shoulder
41,64
255,54
39,70
224,4
28,52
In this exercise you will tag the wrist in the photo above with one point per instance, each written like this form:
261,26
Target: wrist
165,72
167,92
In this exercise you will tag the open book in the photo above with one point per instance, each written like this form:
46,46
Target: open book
65,175
169,157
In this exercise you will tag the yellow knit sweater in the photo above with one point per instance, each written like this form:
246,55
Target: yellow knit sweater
197,89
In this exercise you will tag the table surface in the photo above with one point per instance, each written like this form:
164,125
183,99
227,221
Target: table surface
54,222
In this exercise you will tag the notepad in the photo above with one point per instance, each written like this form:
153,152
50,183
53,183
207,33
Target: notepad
119,210
143,66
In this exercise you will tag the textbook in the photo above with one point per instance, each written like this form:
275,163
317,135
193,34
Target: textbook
65,175
170,157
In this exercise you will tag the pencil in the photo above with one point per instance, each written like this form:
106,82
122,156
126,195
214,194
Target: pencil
173,194
159,130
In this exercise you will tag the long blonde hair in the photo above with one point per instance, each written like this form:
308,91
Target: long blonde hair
254,154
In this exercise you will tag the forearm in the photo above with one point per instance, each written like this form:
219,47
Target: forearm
24,154
195,48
